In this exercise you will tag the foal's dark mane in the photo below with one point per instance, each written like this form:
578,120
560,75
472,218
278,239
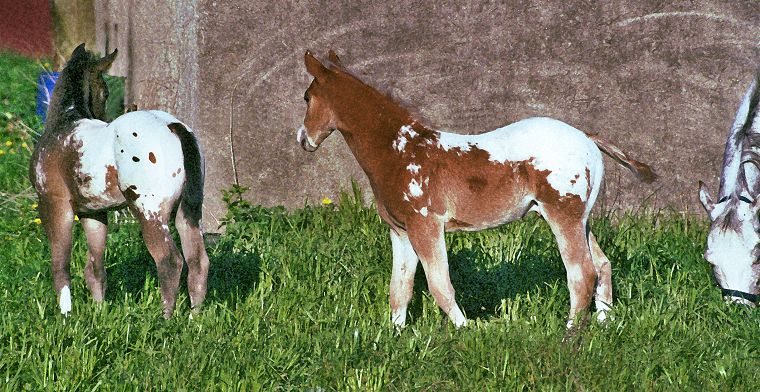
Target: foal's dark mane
752,112
387,91
70,90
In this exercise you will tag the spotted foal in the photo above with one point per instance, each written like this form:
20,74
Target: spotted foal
427,182
145,160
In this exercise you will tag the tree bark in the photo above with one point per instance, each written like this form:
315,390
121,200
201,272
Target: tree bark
73,23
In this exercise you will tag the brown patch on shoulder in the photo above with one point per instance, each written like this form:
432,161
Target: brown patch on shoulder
152,157
477,184
131,193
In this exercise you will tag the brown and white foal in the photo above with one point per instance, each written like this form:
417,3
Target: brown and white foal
145,160
427,182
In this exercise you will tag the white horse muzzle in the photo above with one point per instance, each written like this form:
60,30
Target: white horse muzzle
304,141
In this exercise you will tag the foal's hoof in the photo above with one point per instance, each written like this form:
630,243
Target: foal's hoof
574,329
64,300
168,313
603,317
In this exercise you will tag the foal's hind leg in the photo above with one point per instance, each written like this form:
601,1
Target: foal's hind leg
603,267
95,229
58,219
571,237
194,251
158,239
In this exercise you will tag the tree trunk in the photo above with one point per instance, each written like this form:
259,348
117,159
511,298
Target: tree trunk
73,23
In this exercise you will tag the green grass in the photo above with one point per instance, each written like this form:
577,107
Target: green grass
299,301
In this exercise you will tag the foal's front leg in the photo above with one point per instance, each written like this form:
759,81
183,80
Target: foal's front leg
95,229
426,236
402,278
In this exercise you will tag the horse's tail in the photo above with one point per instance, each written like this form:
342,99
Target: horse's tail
192,194
642,171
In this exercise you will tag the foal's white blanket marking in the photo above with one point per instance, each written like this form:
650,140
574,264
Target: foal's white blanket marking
552,145
142,143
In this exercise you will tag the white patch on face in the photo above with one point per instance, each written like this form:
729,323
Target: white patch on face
732,257
65,300
301,133
413,168
549,144
415,189
405,134
424,211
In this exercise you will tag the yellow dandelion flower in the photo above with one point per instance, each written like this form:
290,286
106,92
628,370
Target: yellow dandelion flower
2,152
37,221
8,143
24,145
76,218
34,205
326,201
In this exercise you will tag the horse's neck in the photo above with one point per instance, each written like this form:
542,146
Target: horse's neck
373,147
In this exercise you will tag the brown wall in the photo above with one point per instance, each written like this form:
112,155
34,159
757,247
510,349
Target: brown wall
661,79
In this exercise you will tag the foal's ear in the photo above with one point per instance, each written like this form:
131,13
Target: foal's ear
313,66
705,199
78,51
334,58
105,63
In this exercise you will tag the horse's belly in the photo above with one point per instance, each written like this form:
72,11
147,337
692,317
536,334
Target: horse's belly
487,211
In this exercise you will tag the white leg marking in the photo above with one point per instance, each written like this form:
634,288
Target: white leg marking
402,278
65,300
457,317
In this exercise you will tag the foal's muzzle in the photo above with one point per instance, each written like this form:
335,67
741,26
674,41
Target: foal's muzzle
739,297
303,140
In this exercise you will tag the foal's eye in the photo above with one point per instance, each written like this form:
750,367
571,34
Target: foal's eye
744,199
722,199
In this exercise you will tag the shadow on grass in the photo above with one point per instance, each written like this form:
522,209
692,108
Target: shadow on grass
480,290
232,275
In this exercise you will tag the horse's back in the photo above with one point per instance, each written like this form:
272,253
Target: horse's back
573,161
149,158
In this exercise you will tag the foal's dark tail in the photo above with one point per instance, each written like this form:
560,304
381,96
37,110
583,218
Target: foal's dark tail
642,171
192,194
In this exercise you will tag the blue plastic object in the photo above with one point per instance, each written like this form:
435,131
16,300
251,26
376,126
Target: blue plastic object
45,84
